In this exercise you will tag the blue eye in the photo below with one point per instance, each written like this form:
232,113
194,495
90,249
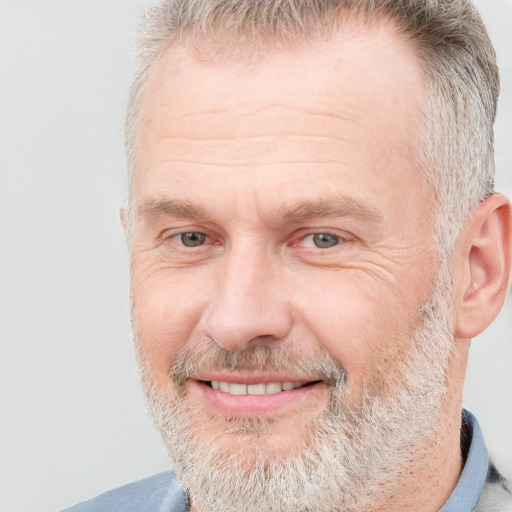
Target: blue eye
322,240
192,239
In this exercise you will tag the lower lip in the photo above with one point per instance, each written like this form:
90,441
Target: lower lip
240,405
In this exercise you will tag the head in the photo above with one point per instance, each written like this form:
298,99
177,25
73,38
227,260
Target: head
449,39
314,231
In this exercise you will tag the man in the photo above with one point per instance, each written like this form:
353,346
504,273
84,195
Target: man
314,240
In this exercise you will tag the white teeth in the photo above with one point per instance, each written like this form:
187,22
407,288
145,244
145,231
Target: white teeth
270,388
238,389
255,389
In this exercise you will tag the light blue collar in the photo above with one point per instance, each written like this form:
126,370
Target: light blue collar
467,492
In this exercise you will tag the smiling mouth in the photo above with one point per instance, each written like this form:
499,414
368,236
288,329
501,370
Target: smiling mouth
266,388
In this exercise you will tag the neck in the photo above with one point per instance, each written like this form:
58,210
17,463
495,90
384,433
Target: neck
427,482
432,474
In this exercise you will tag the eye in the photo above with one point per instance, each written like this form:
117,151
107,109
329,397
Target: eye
192,238
321,240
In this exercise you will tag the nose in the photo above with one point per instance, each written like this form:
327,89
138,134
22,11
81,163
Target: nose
248,306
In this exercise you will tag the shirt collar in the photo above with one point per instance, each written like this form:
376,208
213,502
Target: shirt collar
467,492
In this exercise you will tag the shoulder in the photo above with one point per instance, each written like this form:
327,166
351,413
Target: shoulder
153,494
496,495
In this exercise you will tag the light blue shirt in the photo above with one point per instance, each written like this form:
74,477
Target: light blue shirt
158,493
162,492
471,483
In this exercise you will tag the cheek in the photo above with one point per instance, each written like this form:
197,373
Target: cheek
364,327
166,311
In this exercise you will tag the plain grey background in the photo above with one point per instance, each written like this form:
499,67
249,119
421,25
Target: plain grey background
72,418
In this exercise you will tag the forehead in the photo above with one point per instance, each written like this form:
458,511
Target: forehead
345,105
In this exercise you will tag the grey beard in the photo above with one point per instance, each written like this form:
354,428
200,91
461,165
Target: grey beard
352,457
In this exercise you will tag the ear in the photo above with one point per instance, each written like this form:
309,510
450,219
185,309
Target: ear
123,219
482,266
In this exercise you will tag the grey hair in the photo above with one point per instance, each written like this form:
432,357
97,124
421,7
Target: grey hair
456,150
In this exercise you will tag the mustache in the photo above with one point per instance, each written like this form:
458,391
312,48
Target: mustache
197,357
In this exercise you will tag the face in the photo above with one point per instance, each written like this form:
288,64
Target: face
281,258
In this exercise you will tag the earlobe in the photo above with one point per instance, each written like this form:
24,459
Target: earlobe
484,261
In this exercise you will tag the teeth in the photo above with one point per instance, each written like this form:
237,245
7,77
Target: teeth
237,389
269,388
272,388
255,389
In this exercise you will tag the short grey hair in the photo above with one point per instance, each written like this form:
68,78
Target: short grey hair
456,152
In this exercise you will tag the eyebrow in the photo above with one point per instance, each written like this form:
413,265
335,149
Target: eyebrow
329,207
172,208
304,210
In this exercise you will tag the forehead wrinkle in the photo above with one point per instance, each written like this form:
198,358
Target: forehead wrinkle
292,137
186,126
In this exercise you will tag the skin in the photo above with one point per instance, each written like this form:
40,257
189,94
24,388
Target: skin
260,156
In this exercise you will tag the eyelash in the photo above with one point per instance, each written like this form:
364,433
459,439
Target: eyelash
338,239
179,239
